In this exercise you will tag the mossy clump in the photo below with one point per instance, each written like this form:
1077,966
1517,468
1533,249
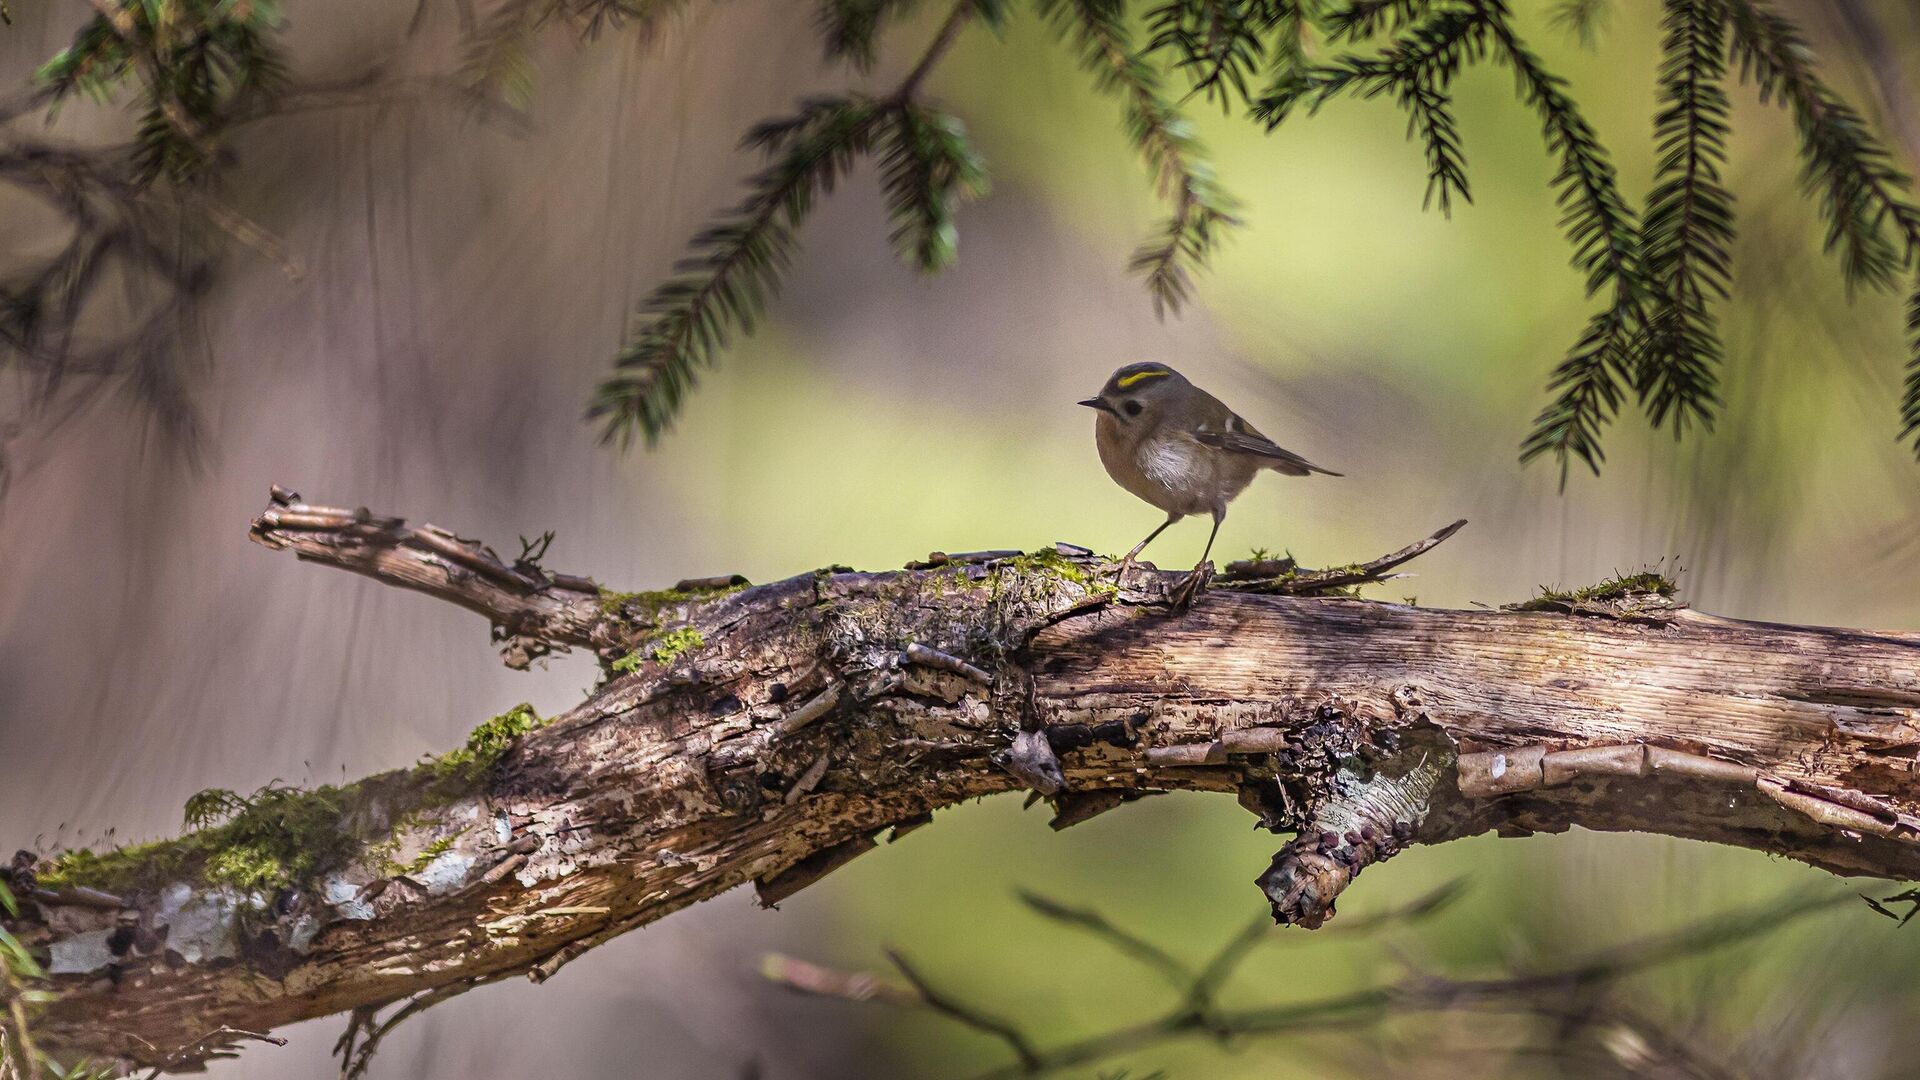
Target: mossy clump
275,838
647,613
1050,561
431,852
487,744
419,863
669,646
1647,583
646,606
1299,581
124,869
278,837
288,837
662,648
1288,578
629,604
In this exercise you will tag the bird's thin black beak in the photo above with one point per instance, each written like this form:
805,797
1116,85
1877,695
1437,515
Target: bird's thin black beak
1097,403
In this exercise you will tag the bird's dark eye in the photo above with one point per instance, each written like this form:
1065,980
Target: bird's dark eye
1132,407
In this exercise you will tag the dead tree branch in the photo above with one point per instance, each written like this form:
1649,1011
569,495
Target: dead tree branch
770,734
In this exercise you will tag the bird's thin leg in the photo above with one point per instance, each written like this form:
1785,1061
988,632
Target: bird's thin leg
1190,588
1217,519
1142,545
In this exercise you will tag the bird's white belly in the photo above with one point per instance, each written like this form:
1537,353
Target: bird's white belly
1180,476
1178,465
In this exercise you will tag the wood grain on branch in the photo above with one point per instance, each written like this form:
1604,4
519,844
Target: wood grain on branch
770,734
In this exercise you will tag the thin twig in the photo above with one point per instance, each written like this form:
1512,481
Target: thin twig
1091,921
354,1062
1541,993
821,981
969,1016
942,41
1221,966
916,653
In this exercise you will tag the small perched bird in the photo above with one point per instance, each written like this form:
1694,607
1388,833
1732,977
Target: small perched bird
1179,448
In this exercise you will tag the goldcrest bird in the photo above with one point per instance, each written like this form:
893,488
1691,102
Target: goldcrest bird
1178,447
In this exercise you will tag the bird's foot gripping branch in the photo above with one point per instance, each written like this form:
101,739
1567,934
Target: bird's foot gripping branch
769,734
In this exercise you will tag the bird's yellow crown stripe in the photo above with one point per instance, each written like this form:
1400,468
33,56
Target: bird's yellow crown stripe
1142,376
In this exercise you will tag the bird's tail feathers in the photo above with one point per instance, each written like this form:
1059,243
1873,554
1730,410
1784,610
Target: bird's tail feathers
1297,466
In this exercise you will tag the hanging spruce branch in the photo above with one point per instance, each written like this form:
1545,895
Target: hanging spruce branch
1655,335
926,168
1362,19
1164,138
736,265
1583,20
1910,400
1222,44
1605,239
1587,389
1862,194
1287,49
850,29
498,61
738,262
1417,68
1604,236
1687,232
139,215
196,66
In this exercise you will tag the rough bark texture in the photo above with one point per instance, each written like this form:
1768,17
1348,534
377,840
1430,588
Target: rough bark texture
770,734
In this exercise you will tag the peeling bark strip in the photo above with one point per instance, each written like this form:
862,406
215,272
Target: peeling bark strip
769,734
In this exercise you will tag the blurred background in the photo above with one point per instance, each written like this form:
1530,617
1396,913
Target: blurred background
468,281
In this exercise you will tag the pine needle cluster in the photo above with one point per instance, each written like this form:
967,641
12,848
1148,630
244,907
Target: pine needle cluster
737,262
1098,30
498,61
1223,47
190,70
197,65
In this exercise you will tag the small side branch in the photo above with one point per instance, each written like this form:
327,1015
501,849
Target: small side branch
1280,577
966,1014
365,1030
534,612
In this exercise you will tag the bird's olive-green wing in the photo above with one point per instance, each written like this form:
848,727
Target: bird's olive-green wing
1241,438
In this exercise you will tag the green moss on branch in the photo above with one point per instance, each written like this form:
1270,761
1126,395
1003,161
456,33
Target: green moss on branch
1626,587
285,837
274,838
644,608
486,745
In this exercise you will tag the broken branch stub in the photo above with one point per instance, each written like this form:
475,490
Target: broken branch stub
533,612
1380,792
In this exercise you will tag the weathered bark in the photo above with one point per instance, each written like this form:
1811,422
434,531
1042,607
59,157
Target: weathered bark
770,734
